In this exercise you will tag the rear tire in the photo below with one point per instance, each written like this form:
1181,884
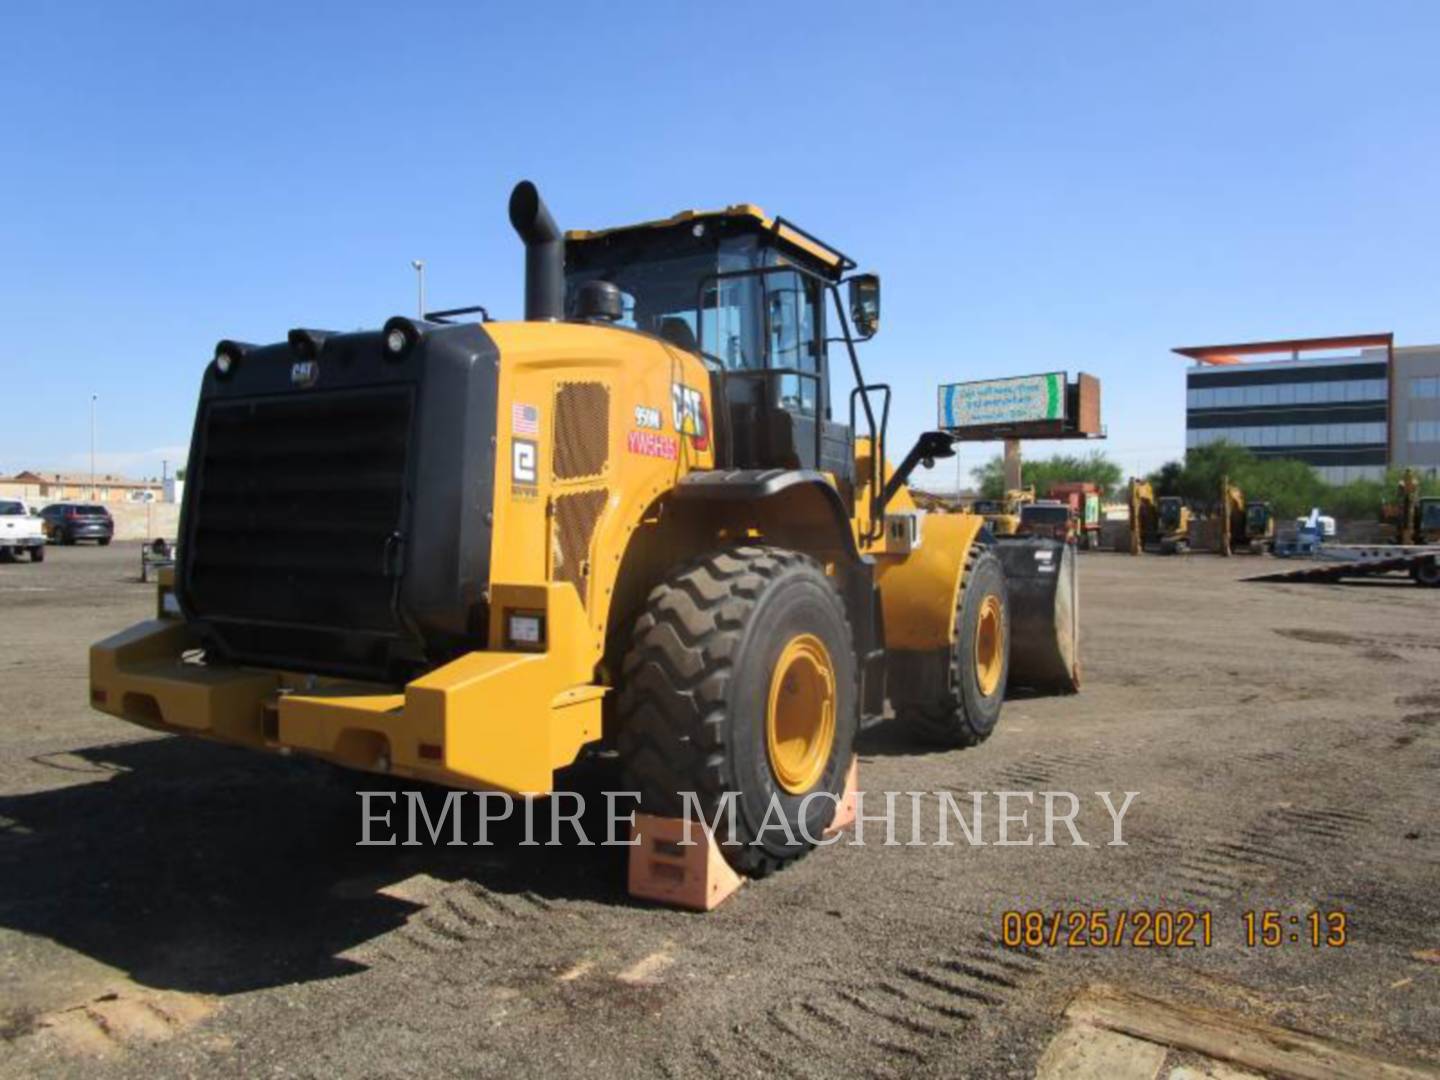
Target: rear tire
37,554
105,541
741,678
1427,573
969,709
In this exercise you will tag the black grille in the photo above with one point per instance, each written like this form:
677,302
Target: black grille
297,515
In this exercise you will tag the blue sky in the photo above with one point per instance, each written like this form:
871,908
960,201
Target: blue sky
1042,186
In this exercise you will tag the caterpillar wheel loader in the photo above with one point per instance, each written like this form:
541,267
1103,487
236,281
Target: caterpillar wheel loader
468,551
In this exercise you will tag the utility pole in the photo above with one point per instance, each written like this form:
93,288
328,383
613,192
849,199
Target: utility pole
94,492
419,265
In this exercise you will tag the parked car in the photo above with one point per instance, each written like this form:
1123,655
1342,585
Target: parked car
67,522
21,530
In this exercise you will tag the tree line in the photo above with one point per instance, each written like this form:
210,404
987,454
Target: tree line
1291,487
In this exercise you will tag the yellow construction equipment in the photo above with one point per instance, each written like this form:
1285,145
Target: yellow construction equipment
470,552
1246,526
1416,518
1003,515
1156,524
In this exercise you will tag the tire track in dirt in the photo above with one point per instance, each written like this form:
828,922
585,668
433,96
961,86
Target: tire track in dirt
456,917
887,1023
112,1023
1223,868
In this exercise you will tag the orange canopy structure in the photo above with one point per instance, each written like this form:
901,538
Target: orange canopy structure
1231,354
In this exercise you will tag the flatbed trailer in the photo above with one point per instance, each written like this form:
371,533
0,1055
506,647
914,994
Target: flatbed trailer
1337,562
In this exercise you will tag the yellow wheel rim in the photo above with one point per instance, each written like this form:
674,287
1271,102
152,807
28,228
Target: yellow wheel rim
989,645
800,714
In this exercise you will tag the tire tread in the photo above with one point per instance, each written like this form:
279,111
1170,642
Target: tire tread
675,676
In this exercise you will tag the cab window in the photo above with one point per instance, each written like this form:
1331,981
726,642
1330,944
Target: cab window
792,329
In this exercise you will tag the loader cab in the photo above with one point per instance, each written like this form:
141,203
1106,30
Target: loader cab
758,300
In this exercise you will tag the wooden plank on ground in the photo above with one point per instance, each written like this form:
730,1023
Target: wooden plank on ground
1279,1052
1082,1052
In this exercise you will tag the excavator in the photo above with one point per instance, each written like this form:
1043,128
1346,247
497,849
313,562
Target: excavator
1416,517
1247,526
638,522
1160,524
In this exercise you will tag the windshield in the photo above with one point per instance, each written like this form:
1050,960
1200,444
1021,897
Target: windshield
1256,517
1430,514
756,311
659,290
1170,512
9,507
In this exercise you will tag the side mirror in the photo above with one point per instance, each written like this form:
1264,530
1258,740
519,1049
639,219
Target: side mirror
865,304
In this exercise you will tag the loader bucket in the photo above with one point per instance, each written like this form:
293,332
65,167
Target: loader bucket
1044,613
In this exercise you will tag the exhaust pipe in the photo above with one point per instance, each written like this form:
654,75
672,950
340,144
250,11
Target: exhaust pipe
544,254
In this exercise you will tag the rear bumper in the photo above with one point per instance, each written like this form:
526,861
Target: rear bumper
87,532
22,541
491,720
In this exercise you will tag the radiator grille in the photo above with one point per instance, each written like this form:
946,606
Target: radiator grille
582,429
575,517
298,509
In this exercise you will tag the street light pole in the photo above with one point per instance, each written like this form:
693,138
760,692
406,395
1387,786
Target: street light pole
94,497
419,265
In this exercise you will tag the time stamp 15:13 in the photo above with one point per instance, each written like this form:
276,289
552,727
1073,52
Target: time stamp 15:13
1183,928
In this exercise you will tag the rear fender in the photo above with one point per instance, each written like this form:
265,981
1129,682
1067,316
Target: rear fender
798,509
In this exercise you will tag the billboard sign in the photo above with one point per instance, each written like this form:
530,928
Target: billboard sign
998,403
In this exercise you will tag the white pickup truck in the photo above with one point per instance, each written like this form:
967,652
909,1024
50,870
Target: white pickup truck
20,530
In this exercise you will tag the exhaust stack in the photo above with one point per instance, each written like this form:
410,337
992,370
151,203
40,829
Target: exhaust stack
544,254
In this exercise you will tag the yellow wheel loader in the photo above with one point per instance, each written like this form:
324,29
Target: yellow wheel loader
470,552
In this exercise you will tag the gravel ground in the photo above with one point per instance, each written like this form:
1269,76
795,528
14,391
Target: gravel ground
171,906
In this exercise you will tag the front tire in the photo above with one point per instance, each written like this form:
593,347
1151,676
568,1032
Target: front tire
1427,573
978,660
37,554
741,678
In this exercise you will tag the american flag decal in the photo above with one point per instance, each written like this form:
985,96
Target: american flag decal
525,419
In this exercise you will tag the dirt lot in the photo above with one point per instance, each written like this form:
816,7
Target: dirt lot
171,906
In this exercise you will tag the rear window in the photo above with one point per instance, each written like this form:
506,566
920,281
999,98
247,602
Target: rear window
8,507
98,511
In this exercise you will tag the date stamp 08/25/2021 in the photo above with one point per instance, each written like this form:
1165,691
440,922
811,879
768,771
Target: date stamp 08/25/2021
1167,928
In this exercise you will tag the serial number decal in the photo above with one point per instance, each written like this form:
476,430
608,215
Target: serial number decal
652,444
647,417
1102,928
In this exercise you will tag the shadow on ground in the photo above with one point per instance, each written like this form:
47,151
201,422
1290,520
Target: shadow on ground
195,867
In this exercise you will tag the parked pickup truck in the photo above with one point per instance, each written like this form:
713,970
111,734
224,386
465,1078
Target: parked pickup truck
21,530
